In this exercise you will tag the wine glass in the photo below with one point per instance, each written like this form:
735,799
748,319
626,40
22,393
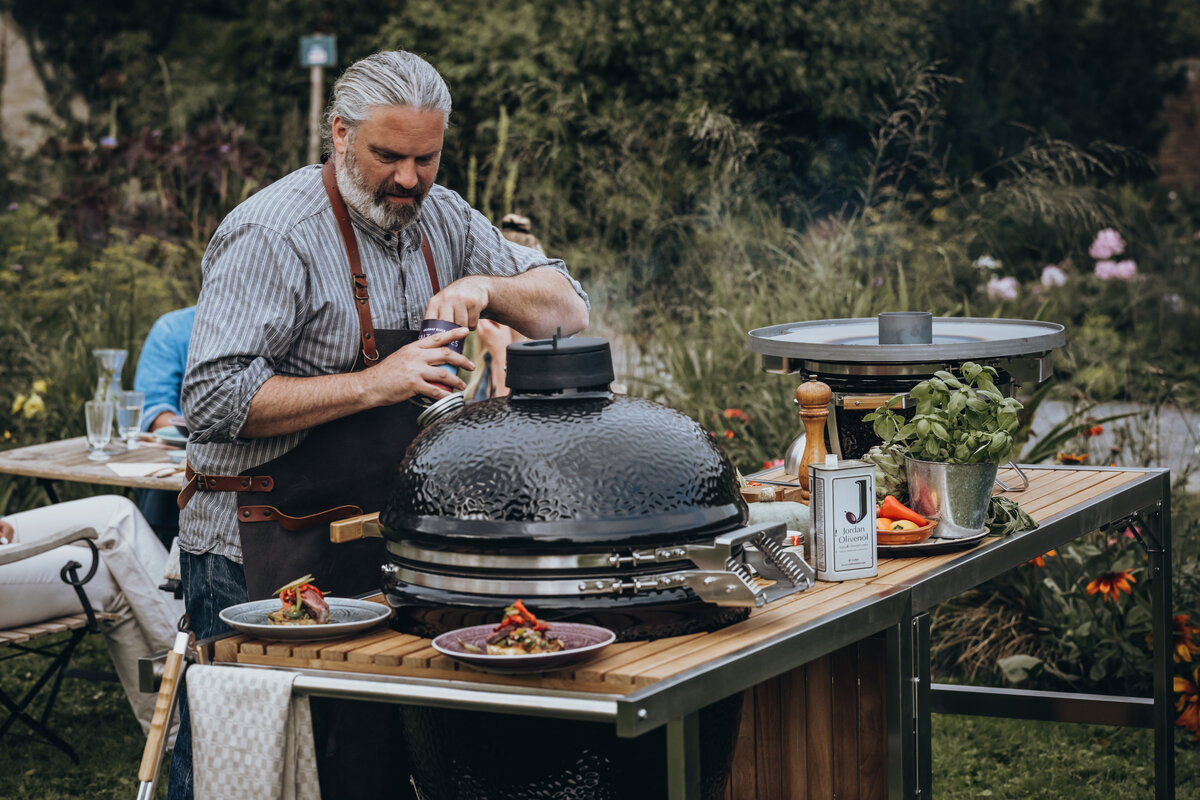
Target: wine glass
99,417
129,416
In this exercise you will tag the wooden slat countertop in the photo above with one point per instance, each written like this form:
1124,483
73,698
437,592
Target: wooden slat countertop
625,667
67,460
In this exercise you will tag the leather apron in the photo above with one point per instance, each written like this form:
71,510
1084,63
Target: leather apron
342,469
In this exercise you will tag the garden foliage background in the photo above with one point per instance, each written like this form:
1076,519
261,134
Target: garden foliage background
704,168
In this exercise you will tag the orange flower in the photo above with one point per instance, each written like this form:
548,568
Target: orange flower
728,434
1188,704
1183,647
1040,561
1072,458
737,413
1111,584
1095,430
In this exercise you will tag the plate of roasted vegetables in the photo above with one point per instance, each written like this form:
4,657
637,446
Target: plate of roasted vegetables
300,611
521,642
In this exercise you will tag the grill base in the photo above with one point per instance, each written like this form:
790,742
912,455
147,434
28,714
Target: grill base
459,754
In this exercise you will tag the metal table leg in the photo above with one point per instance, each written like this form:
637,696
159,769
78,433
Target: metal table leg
922,707
908,708
1156,538
683,757
48,487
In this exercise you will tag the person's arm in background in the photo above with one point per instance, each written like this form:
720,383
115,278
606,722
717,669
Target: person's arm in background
161,365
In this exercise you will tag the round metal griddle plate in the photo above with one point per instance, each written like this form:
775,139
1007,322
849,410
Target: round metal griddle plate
856,341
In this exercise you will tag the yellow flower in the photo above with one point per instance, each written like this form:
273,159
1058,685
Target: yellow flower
7,435
20,401
34,406
939,214
39,387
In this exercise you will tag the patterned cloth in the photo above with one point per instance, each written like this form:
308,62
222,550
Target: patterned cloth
251,739
277,300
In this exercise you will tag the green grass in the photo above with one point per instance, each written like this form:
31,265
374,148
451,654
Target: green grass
93,717
976,757
973,757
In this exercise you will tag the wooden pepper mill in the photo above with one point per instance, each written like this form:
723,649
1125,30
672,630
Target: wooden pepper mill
814,398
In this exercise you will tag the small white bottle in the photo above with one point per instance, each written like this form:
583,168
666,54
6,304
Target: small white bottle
842,502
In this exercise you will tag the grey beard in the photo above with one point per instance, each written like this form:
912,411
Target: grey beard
354,191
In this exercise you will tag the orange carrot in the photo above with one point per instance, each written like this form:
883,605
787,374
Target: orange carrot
894,509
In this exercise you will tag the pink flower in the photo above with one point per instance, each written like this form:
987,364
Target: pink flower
1053,275
1002,288
1117,271
1108,244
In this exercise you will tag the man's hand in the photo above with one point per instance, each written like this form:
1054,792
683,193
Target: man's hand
414,370
7,532
285,405
535,303
462,301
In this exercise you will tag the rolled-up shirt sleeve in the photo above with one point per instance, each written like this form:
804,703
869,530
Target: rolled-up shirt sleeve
489,253
246,322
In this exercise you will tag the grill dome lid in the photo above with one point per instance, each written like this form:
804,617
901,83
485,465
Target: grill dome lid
563,467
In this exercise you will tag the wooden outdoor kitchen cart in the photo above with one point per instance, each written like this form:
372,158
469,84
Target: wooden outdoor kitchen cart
838,696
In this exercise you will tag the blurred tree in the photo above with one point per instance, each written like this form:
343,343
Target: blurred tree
1083,71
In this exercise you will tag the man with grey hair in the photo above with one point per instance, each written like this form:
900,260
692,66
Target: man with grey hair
305,373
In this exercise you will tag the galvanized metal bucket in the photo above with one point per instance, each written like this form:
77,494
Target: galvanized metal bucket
956,495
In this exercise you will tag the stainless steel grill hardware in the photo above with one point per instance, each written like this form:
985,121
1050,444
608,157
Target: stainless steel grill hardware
746,567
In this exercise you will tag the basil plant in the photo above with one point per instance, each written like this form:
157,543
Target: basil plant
957,420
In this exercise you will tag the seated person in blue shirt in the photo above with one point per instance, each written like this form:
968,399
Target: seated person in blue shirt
160,377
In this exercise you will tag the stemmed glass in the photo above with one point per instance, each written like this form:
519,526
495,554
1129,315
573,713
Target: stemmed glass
129,416
99,417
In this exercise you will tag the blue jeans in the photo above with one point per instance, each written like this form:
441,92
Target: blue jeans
210,584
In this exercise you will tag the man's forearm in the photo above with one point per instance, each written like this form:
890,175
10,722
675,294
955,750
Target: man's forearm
285,405
537,303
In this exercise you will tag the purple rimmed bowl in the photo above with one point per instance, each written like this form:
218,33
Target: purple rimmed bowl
582,642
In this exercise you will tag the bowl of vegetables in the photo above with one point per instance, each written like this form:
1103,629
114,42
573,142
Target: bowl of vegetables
896,523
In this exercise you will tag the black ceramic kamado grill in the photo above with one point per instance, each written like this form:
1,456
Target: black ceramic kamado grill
591,507
866,361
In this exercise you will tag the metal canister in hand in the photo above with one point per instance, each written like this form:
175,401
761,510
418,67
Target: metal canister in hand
436,409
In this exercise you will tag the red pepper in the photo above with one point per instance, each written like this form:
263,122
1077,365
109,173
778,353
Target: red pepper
521,609
524,618
891,508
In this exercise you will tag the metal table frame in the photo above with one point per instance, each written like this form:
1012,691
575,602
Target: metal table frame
901,613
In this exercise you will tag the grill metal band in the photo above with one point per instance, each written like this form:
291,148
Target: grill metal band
723,576
540,563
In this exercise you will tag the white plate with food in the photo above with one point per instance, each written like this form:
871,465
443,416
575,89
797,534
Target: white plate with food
301,612
523,643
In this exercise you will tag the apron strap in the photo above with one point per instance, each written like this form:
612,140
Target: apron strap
199,482
362,298
427,251
290,523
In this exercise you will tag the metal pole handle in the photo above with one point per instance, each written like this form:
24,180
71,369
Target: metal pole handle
1024,480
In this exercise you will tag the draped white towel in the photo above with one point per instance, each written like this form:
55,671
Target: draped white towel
251,739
